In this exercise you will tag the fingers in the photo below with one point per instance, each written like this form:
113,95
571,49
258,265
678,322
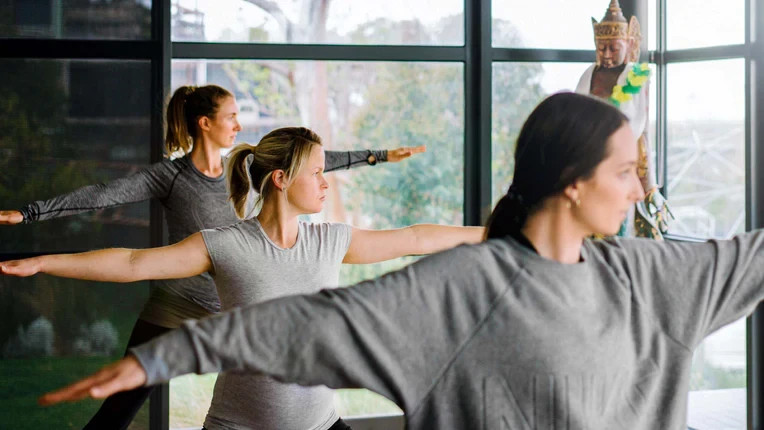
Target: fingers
10,217
76,391
17,268
418,149
399,154
123,375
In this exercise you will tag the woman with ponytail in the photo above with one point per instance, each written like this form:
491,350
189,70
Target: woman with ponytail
201,122
265,257
537,327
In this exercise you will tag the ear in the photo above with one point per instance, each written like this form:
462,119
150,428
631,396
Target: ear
573,191
279,179
204,123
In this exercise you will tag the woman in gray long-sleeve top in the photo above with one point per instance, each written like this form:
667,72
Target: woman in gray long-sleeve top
201,122
538,327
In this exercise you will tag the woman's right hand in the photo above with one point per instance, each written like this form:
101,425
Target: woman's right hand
11,217
123,375
21,268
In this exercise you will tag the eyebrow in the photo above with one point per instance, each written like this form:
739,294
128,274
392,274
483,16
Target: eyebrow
628,163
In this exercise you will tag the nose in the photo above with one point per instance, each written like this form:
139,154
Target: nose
237,127
638,191
324,182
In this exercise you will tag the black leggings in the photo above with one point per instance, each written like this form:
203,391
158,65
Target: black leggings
118,410
338,425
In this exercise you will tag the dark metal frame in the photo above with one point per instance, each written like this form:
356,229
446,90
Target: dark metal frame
478,56
755,197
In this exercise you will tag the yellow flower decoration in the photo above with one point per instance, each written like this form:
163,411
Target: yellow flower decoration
619,96
637,81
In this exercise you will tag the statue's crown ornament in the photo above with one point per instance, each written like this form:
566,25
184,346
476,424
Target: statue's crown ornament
613,25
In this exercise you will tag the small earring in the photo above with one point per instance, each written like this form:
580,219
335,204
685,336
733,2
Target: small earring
578,202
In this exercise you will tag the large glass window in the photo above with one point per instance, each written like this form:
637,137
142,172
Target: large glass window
517,89
352,105
706,148
394,22
706,191
65,124
693,24
556,24
76,19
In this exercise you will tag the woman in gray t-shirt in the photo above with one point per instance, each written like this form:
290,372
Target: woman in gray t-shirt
537,327
267,257
202,121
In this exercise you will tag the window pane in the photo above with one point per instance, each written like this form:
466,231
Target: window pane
706,148
706,191
517,89
717,22
394,22
717,396
352,105
66,124
59,124
76,19
557,24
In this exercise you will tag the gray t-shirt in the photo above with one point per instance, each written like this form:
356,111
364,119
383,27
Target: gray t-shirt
249,268
192,201
495,336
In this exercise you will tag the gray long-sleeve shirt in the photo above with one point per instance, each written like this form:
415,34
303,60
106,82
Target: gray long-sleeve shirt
494,336
192,202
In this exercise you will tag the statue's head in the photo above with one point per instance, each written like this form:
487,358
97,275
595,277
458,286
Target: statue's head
617,40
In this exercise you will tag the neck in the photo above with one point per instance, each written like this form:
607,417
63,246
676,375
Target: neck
555,235
207,159
278,222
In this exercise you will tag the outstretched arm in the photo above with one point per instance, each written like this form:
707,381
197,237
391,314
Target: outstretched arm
153,181
373,246
437,303
181,260
336,160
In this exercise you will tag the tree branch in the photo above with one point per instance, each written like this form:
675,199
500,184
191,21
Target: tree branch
275,11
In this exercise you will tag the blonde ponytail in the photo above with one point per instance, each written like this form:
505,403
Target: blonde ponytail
239,178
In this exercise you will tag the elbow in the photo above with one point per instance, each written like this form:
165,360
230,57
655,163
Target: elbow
132,274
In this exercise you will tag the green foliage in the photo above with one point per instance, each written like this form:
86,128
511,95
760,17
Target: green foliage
25,380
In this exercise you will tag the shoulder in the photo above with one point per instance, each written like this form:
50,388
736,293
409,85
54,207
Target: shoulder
326,230
169,166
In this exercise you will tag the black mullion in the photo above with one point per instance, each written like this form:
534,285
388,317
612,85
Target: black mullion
76,49
161,72
524,55
662,96
274,51
477,112
707,53
755,201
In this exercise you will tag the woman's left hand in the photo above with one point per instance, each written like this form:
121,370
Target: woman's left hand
396,155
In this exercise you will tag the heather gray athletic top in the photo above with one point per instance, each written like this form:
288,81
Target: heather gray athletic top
192,202
495,336
249,268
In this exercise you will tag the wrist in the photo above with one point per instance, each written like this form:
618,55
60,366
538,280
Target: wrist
41,263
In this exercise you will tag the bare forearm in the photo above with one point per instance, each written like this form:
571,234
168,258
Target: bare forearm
431,238
111,265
